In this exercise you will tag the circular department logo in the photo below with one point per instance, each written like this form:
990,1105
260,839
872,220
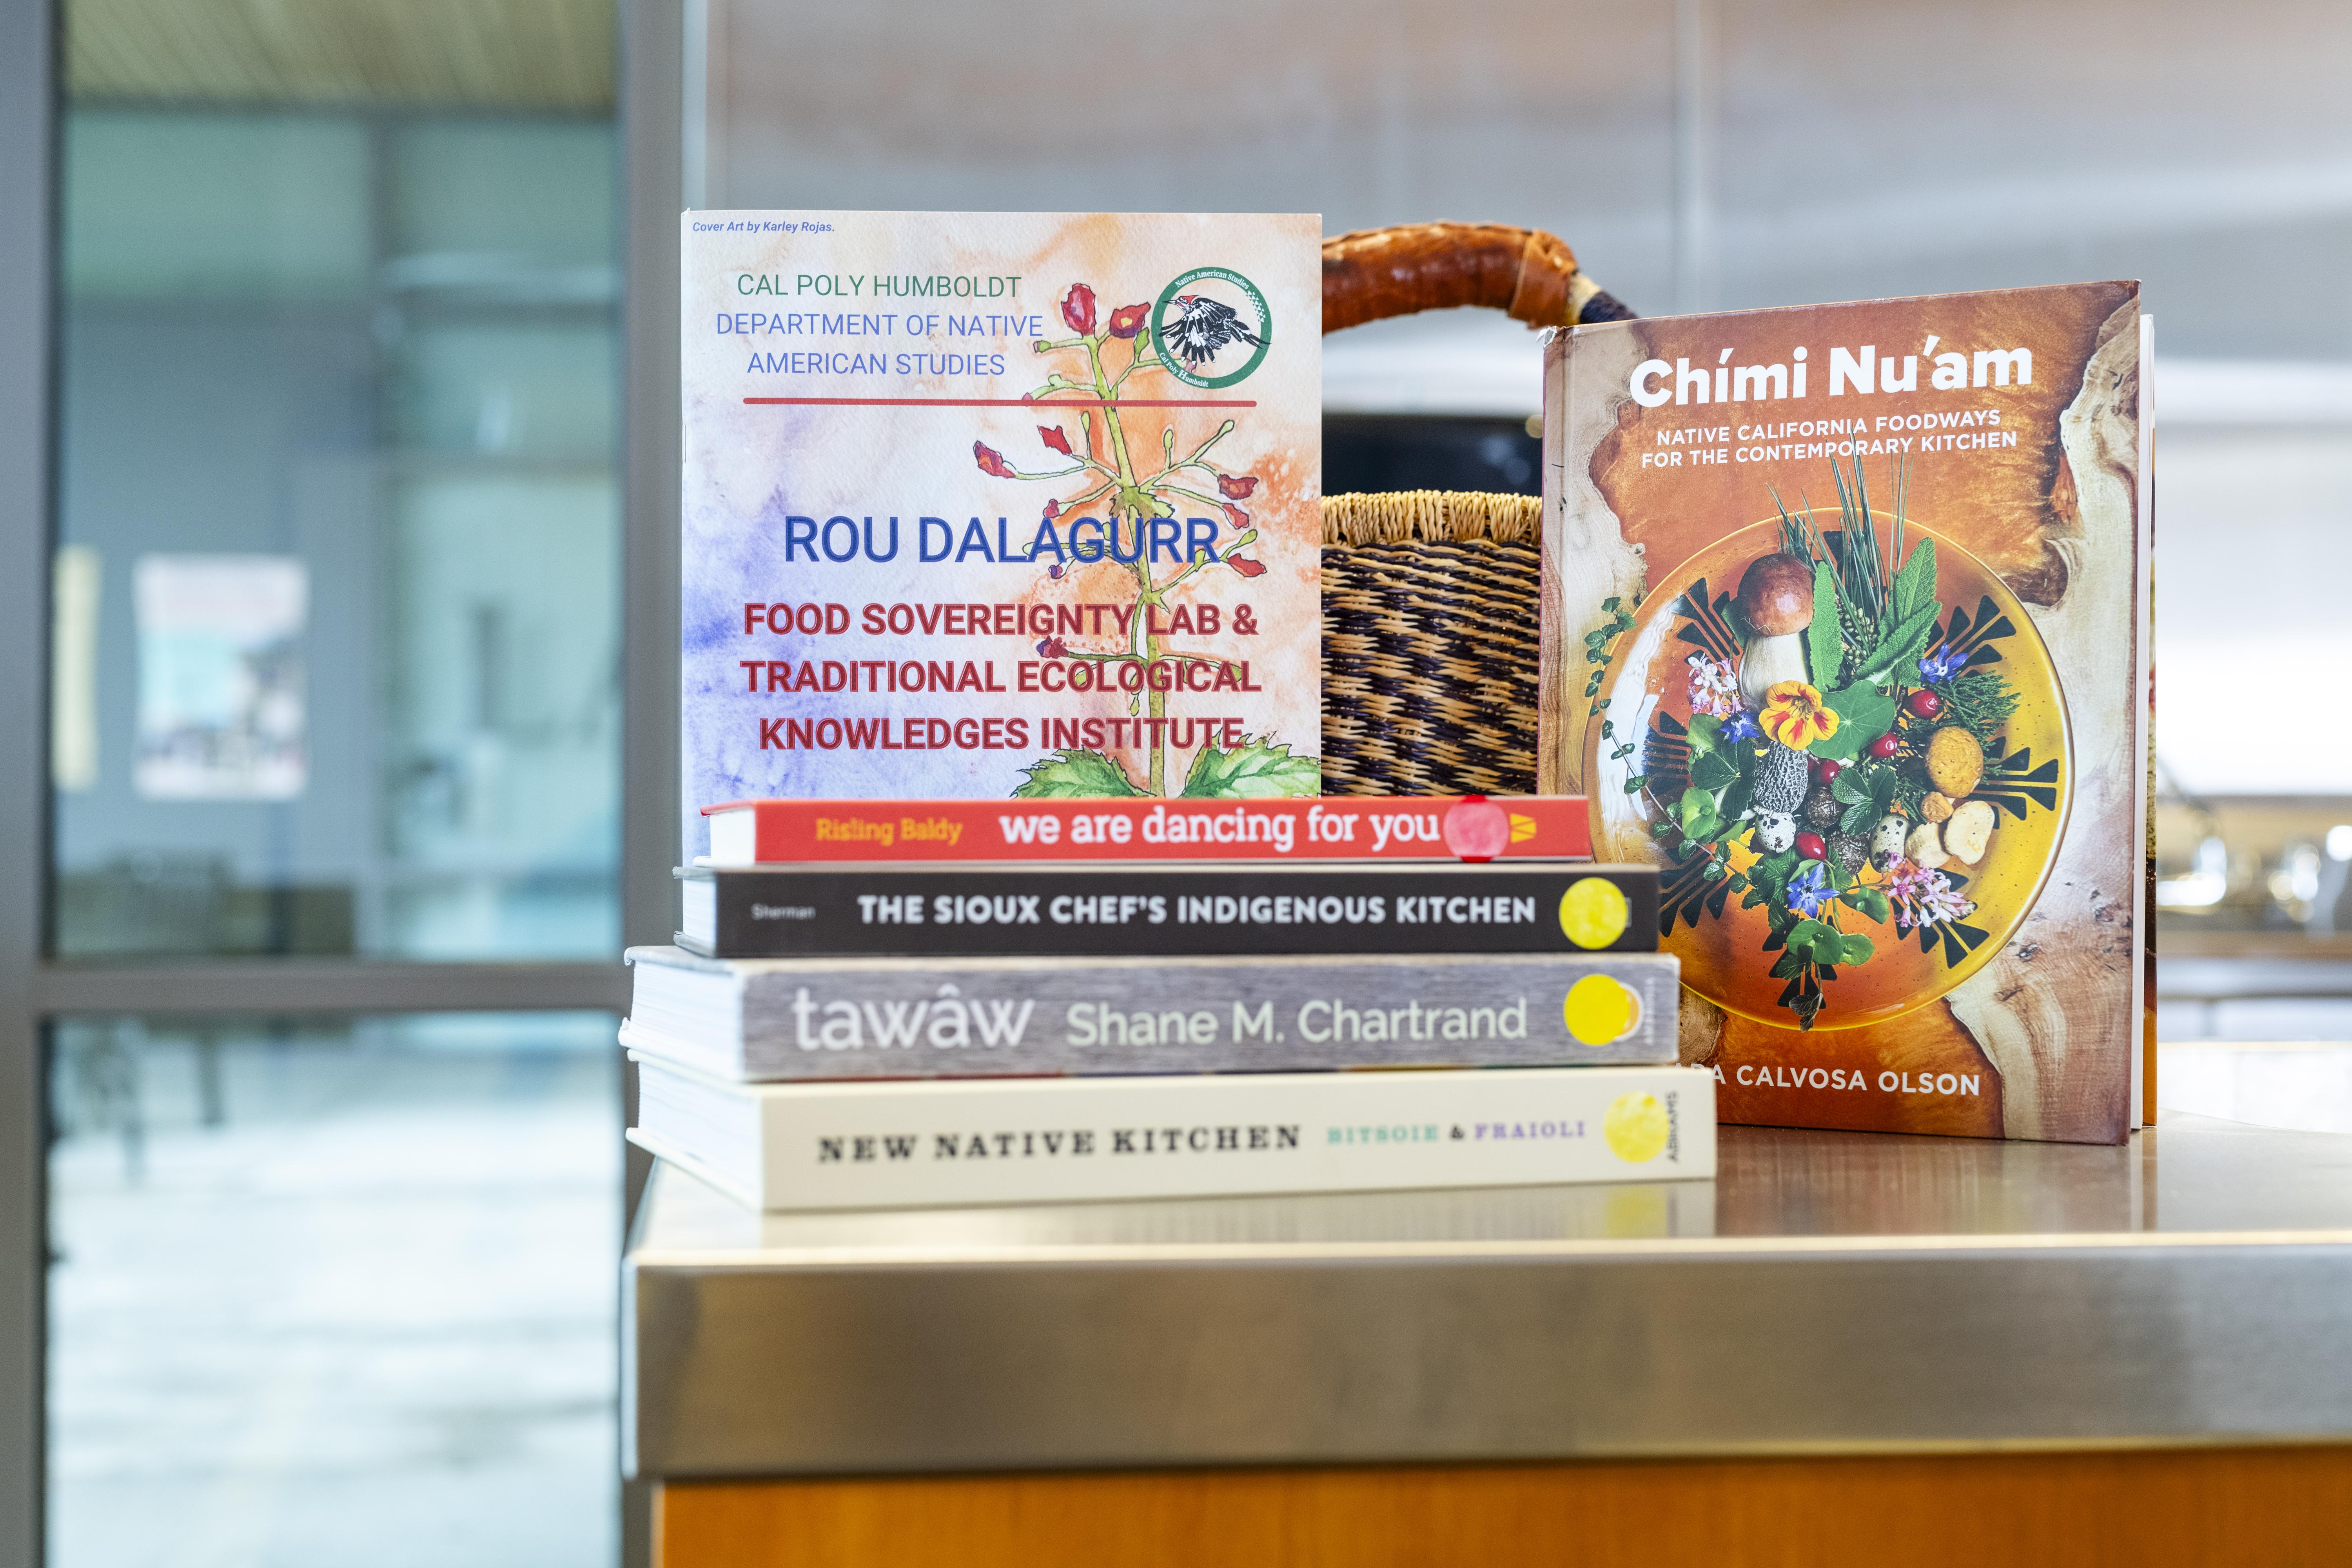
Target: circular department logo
1636,1127
1211,327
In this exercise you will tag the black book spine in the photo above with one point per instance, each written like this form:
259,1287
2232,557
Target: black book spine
1118,912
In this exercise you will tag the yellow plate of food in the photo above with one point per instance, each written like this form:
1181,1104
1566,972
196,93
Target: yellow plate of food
1847,752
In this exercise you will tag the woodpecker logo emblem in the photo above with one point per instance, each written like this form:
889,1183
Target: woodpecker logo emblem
1211,326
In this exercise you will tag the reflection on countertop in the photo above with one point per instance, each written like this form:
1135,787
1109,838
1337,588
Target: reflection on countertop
2192,1174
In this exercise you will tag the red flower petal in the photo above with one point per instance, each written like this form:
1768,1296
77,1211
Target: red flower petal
1245,566
1052,647
1236,487
1128,319
1078,308
992,461
1053,509
1055,438
1240,518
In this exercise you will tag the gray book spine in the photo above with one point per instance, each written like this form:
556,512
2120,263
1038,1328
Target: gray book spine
814,1018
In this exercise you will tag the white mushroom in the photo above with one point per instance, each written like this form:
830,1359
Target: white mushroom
1969,830
1776,599
1924,847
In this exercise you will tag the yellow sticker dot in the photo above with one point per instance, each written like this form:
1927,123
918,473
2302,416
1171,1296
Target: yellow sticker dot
1593,911
1600,1011
1635,1127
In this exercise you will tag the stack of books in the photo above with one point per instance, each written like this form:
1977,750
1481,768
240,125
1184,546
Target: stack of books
917,1004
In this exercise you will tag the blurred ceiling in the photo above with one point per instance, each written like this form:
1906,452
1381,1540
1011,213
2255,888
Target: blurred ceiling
1708,155
540,56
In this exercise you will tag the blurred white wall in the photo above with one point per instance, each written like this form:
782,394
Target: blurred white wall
1840,149
1697,154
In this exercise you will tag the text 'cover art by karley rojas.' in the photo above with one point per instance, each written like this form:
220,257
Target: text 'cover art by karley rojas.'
1844,615
1000,504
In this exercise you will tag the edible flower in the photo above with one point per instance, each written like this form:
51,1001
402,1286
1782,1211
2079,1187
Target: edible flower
1079,308
1941,665
1810,889
1795,715
1714,692
1128,319
1923,897
1052,647
1741,726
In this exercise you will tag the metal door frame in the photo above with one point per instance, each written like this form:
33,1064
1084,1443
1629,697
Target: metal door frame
35,989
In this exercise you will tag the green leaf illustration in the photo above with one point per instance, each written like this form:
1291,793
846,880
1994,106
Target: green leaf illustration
1816,940
1074,775
1695,813
1900,646
1251,771
1915,584
1824,650
1873,792
1869,902
1771,873
1137,501
1737,799
1864,712
1712,769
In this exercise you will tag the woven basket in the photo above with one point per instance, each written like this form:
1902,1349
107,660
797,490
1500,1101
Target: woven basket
1429,643
1430,622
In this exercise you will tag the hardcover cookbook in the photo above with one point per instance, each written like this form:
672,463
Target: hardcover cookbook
1845,614
997,504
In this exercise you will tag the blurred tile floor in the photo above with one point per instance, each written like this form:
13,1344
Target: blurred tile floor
368,1318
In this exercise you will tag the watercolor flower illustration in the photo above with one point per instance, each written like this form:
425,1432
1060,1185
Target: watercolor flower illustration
1130,497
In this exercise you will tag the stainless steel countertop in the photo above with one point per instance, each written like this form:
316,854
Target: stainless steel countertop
1828,1292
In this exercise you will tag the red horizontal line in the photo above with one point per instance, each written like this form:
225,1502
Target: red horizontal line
1011,402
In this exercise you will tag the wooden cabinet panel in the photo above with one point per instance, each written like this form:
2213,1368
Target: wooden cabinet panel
2278,1507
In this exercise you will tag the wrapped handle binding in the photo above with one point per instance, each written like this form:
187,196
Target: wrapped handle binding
1376,273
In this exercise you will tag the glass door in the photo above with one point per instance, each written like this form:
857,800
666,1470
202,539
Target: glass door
309,979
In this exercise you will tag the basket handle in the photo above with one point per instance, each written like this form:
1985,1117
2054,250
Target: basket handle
1375,273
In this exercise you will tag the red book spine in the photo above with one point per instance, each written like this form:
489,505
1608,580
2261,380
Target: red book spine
1443,827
